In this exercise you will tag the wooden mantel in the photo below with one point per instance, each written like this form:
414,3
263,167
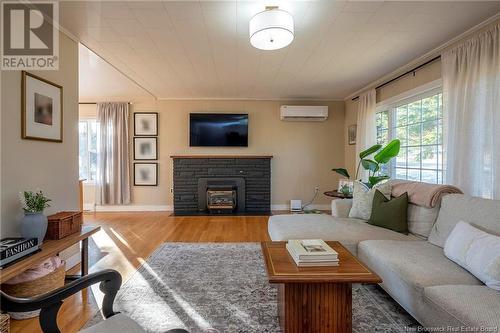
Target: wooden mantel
221,156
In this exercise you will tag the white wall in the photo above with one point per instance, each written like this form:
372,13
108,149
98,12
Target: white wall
28,164
304,152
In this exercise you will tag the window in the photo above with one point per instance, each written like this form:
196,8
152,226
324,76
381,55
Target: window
88,149
418,123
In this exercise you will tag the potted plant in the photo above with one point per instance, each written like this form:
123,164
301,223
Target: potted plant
34,222
382,156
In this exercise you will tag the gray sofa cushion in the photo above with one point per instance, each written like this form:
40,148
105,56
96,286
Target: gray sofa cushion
348,231
473,306
341,207
421,219
406,268
419,263
482,213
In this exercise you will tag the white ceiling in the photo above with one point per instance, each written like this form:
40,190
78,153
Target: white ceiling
100,81
200,49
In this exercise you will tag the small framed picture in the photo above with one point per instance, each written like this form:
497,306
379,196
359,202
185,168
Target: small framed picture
145,148
351,134
42,109
346,185
145,174
146,123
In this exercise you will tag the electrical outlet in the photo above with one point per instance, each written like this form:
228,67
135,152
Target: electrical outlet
316,189
171,190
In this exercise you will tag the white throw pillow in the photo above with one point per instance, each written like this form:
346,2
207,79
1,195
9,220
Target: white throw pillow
476,251
362,199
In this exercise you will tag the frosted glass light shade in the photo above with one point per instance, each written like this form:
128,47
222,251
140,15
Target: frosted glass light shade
271,29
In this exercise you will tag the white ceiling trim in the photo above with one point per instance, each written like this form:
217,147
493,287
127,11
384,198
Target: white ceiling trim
426,57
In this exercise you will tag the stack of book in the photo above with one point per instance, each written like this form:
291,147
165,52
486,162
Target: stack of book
13,249
312,252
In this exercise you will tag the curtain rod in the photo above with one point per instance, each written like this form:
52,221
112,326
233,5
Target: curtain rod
404,74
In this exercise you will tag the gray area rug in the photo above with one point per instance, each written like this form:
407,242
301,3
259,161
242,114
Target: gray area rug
222,287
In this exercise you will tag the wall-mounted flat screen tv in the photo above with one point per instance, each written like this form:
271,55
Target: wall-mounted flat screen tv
218,130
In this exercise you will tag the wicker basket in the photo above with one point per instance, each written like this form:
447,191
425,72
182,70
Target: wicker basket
64,224
35,287
4,323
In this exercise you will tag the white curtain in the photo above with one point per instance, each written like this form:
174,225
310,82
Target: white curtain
366,131
471,104
113,179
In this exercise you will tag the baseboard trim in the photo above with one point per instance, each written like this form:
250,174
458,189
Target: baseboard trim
128,208
169,208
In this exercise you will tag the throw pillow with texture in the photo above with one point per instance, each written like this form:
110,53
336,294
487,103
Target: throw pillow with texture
390,214
362,199
476,251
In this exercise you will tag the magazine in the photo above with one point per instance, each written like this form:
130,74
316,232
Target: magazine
313,249
309,262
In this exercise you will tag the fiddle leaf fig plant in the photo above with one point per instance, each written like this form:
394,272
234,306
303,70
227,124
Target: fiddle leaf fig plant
342,172
370,165
382,156
388,152
369,151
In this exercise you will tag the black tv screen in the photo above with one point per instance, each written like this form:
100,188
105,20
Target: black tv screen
218,130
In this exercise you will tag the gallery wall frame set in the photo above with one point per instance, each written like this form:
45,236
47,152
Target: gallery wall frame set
145,123
145,174
145,148
41,109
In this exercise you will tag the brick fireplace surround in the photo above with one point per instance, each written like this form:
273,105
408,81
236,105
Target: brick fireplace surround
248,174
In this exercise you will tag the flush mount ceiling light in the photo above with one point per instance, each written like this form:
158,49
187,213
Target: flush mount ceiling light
271,29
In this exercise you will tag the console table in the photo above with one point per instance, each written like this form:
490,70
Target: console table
51,248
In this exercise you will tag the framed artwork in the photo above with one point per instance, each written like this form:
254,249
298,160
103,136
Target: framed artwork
346,184
145,174
146,123
145,148
351,134
41,109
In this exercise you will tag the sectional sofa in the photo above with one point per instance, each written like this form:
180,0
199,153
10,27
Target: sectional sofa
415,272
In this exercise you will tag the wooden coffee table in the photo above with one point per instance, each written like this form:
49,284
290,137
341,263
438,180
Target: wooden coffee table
315,299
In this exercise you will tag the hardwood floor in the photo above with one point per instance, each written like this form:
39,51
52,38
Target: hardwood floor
127,239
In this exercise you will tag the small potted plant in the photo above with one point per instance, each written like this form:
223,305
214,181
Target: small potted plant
34,222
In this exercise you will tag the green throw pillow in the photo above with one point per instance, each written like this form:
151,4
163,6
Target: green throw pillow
390,214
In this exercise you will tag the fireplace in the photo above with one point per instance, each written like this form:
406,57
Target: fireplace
221,195
221,200
246,178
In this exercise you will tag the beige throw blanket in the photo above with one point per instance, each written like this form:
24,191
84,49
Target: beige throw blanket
422,194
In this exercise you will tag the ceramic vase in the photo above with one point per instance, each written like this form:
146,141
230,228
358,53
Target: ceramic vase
34,225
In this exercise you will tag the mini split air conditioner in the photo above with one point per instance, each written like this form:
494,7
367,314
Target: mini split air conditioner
303,113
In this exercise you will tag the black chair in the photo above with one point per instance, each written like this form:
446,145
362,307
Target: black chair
50,303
